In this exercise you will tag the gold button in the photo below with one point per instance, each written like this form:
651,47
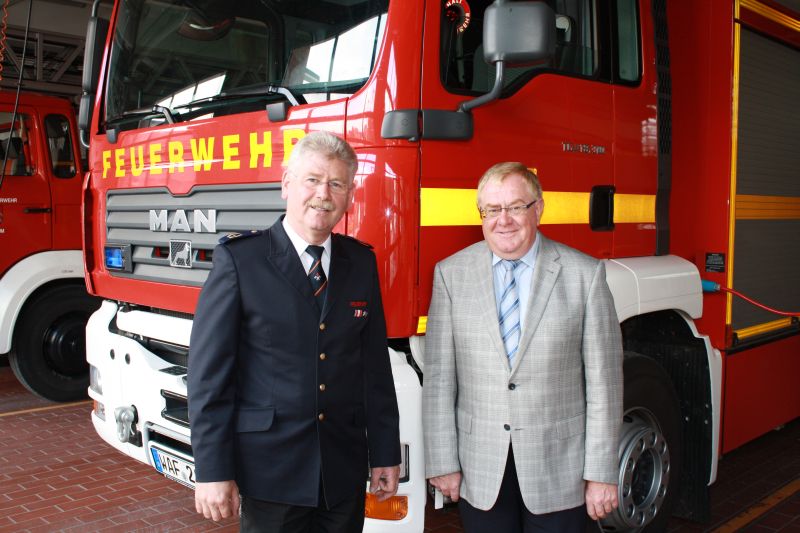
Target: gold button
322,356
322,386
321,417
322,327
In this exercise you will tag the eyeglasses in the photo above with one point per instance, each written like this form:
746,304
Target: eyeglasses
335,186
513,210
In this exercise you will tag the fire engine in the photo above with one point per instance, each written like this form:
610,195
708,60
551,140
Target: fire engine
664,134
43,301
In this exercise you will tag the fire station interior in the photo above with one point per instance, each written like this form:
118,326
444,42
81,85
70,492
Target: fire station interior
57,475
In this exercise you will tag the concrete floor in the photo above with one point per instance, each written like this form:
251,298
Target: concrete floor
57,475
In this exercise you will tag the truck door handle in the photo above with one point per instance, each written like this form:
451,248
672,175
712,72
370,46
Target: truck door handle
601,208
33,210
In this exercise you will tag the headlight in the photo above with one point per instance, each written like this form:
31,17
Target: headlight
95,383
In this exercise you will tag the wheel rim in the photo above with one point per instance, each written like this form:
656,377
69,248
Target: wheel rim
64,345
644,471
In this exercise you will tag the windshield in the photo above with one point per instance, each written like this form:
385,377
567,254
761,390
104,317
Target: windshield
205,52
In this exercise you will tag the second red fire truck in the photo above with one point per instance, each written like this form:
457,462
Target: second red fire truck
43,302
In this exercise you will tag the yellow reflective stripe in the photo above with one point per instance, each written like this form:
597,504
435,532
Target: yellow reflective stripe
757,207
771,13
449,207
737,48
766,327
457,207
566,208
634,208
422,325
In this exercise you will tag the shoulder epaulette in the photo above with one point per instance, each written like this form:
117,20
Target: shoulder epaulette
362,243
237,235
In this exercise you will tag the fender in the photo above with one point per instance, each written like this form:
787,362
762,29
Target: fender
646,284
21,280
715,376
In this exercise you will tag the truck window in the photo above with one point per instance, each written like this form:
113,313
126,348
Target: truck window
59,143
626,38
14,147
464,69
234,56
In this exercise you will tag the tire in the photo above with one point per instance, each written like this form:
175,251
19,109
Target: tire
650,449
49,356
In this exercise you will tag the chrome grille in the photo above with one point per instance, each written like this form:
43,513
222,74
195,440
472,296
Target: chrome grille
239,208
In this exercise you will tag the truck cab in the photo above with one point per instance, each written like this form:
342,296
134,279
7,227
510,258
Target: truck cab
43,300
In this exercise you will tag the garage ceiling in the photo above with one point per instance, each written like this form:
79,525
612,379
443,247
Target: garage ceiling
54,56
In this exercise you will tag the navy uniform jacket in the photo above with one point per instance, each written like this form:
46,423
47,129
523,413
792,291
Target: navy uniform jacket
279,392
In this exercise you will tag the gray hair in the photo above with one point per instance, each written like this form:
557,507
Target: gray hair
328,145
501,171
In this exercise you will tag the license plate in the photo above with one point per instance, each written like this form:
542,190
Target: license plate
173,467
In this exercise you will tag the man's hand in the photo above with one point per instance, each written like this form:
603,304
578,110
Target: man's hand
383,481
217,499
601,499
448,484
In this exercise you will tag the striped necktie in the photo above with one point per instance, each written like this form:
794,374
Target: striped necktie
316,275
509,311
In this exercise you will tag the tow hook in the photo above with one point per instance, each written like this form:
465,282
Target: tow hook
126,418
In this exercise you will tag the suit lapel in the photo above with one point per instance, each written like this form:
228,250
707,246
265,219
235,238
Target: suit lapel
484,280
284,258
337,275
543,280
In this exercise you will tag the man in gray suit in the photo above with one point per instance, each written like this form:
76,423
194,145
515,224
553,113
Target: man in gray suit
522,399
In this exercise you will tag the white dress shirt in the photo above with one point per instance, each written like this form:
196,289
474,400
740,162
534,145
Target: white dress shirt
300,246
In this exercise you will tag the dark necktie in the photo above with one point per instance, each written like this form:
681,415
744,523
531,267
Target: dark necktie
319,282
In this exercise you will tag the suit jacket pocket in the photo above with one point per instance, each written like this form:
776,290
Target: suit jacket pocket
248,420
463,421
569,427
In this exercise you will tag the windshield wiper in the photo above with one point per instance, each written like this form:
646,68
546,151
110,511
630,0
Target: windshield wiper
167,112
171,116
258,90
137,114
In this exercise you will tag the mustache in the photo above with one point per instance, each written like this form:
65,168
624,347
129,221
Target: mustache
320,204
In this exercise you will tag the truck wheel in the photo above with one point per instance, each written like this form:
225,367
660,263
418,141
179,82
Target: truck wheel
49,355
650,449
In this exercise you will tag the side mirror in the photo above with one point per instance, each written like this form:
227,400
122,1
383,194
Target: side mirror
519,33
96,33
515,34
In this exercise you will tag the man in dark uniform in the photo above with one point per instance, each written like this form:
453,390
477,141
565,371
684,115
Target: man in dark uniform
291,397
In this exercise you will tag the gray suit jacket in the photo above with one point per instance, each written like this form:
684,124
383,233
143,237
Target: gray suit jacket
560,406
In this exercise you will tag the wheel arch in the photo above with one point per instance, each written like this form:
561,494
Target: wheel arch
670,338
29,278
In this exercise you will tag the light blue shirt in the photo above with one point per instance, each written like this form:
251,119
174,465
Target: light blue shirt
523,276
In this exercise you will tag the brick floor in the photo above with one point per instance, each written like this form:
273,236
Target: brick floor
57,475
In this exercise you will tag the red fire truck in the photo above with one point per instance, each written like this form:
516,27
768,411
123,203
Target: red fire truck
664,134
43,302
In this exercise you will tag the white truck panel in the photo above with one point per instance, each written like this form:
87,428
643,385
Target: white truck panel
25,277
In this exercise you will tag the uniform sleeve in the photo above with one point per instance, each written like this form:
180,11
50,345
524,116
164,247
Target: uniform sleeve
380,400
602,360
211,372
440,387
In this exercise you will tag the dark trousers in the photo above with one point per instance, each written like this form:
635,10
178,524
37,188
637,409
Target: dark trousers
509,514
267,517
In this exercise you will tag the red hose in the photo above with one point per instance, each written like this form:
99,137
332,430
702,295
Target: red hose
762,306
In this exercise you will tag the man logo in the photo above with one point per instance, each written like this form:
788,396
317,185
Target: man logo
180,254
184,220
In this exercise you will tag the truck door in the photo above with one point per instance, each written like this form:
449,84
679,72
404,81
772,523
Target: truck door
63,167
25,210
556,117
